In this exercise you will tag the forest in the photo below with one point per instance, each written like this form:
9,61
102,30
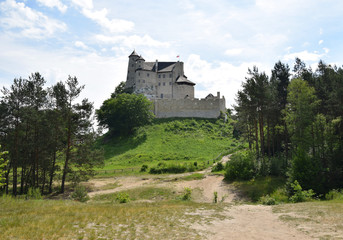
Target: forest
48,135
293,124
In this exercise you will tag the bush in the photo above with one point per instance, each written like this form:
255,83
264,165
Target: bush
172,168
267,200
80,194
218,167
187,195
241,166
215,197
33,193
144,168
334,195
300,195
123,198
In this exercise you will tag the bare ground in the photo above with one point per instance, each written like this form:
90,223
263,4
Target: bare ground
240,221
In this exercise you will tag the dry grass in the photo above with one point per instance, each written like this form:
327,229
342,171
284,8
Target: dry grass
51,219
320,219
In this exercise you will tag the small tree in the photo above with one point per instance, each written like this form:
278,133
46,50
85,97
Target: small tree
125,113
3,164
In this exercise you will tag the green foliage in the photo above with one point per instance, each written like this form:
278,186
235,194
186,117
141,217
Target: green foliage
172,168
267,200
125,113
261,186
241,166
3,164
299,195
33,193
215,196
153,144
80,194
123,198
334,195
187,195
144,168
218,167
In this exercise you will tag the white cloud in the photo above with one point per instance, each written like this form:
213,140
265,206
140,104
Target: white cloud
33,24
131,41
304,56
212,78
326,50
88,4
113,25
54,3
234,51
320,42
80,44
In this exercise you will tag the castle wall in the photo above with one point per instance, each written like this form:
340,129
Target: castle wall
202,108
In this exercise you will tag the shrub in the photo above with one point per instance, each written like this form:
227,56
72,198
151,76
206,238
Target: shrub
33,193
218,167
241,166
187,195
123,198
334,195
215,197
267,200
80,194
144,168
300,195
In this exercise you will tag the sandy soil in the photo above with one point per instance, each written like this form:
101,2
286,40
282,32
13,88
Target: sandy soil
240,221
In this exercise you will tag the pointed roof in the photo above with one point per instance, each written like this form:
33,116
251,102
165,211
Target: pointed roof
134,54
183,80
140,58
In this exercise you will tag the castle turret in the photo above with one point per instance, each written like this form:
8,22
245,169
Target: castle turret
130,80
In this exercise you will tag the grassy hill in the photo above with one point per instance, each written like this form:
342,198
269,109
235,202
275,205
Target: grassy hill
169,141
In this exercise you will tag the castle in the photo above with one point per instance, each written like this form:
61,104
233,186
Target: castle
166,85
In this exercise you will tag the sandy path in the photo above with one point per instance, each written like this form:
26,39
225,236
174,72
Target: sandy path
250,222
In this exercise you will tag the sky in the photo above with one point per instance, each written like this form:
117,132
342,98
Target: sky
218,40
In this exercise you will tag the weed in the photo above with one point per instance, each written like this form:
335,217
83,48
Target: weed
299,195
187,195
267,200
80,194
33,193
123,198
215,197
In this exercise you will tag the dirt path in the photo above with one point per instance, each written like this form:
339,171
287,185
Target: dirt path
250,222
238,222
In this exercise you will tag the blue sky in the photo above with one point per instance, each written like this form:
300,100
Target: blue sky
218,40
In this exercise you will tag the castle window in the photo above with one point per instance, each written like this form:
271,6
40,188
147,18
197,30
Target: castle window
159,75
170,75
139,74
139,66
147,74
164,76
169,83
132,65
159,84
164,84
161,95
143,81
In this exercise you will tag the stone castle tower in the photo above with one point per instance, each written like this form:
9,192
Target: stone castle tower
166,85
165,80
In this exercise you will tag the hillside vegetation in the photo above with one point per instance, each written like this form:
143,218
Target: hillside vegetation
194,142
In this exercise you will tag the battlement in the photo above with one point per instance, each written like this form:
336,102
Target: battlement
202,108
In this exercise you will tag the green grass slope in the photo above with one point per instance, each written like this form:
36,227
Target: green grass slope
169,141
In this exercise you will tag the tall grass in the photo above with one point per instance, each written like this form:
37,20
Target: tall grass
169,141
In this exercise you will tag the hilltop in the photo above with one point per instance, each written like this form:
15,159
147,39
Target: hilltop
175,141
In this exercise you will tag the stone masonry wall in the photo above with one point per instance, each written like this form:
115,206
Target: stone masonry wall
202,108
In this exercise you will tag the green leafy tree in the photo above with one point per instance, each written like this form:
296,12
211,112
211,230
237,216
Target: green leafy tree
125,113
3,164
